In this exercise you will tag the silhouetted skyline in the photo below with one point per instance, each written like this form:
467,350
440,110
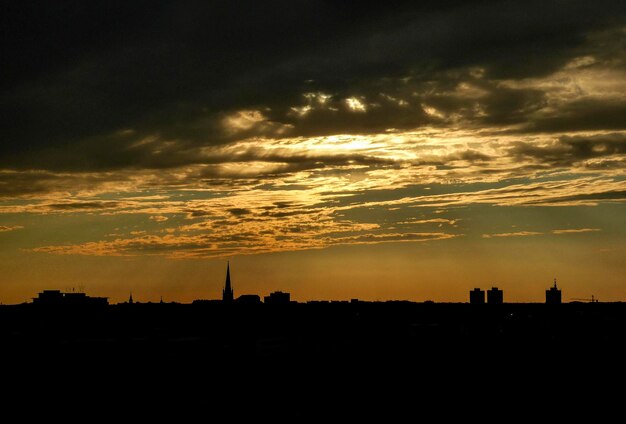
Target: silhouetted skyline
495,296
278,329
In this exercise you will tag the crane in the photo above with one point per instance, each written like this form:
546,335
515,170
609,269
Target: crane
592,300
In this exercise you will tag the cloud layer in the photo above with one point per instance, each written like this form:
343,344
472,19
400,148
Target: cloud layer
249,128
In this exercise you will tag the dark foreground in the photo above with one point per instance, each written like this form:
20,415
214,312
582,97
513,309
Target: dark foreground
368,331
434,350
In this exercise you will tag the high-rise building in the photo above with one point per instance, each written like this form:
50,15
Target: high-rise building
553,295
495,296
228,293
477,296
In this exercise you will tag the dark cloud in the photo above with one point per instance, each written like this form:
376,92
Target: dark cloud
284,204
607,164
198,213
15,184
507,106
615,195
74,206
471,156
304,160
76,74
239,211
569,150
336,117
283,214
586,114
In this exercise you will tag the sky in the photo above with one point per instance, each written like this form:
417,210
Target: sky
331,149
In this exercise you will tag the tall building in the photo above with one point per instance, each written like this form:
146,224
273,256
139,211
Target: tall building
477,296
553,296
495,296
228,293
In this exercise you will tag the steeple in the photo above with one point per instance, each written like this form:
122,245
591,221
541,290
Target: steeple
555,283
227,293
130,299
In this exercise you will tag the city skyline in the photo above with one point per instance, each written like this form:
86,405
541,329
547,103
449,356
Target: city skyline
330,150
553,295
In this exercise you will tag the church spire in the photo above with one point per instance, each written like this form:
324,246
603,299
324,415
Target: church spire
227,293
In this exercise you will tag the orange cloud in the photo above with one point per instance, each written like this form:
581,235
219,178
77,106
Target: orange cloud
515,234
576,230
4,228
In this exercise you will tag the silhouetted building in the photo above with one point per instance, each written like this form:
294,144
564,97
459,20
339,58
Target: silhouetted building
56,297
49,297
495,296
477,296
277,298
249,299
228,294
553,296
130,298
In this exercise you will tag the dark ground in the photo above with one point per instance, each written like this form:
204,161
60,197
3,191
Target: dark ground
428,350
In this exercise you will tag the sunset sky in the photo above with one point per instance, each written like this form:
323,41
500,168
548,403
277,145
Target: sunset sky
331,149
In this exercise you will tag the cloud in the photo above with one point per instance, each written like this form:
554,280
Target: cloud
515,234
583,115
331,126
535,233
82,206
38,184
393,238
129,91
239,211
158,218
583,191
430,221
568,150
576,230
256,220
5,228
203,246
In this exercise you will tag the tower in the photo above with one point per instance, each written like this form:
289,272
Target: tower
227,293
130,298
553,296
477,296
495,296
